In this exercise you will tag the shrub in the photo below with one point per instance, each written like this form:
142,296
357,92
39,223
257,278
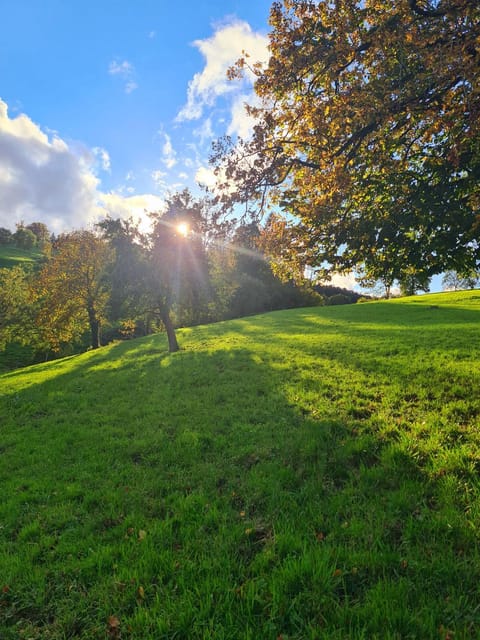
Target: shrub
338,298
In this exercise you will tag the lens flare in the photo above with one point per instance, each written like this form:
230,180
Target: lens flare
183,229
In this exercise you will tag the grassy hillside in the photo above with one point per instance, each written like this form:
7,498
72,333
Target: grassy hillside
11,256
304,474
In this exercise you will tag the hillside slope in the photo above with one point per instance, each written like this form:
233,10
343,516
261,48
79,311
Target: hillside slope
11,256
301,474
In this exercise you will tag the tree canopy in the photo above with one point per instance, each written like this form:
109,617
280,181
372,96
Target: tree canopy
367,134
72,288
15,301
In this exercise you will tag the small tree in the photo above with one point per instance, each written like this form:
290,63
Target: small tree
42,235
24,238
73,289
6,236
126,271
453,281
413,280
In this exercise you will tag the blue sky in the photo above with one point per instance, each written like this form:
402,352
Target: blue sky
107,106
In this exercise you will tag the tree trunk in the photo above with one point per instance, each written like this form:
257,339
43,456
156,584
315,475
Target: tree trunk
94,328
169,328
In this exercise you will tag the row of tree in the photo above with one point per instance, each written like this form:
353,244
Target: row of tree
30,236
190,267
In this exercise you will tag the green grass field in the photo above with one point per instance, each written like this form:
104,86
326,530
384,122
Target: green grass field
11,256
304,474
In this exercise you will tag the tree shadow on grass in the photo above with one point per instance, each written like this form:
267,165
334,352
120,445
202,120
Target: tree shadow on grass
239,512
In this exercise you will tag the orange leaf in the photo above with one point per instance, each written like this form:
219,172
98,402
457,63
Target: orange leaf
113,622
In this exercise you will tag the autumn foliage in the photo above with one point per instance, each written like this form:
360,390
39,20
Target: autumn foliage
367,135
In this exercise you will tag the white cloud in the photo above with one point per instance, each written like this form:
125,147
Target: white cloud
242,123
42,178
138,207
124,68
169,154
126,71
130,86
221,51
103,157
344,280
204,131
205,177
158,177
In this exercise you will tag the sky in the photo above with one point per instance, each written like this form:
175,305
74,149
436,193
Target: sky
109,106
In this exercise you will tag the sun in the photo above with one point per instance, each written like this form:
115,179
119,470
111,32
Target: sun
183,229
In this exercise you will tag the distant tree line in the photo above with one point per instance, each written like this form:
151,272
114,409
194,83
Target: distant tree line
116,281
91,286
30,236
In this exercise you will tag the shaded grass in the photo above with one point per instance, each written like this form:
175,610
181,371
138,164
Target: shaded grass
301,474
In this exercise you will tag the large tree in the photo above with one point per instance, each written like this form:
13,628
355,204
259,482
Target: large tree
178,266
179,240
367,133
73,289
126,272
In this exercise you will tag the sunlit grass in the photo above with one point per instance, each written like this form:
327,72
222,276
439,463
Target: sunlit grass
301,474
11,256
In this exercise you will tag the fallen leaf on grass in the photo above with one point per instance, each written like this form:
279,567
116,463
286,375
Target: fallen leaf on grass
445,633
113,627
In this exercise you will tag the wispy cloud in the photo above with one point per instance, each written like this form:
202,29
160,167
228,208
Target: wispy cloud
124,68
158,178
205,131
126,71
169,155
103,158
130,86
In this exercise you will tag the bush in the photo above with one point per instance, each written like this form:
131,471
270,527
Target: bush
6,236
24,238
338,298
